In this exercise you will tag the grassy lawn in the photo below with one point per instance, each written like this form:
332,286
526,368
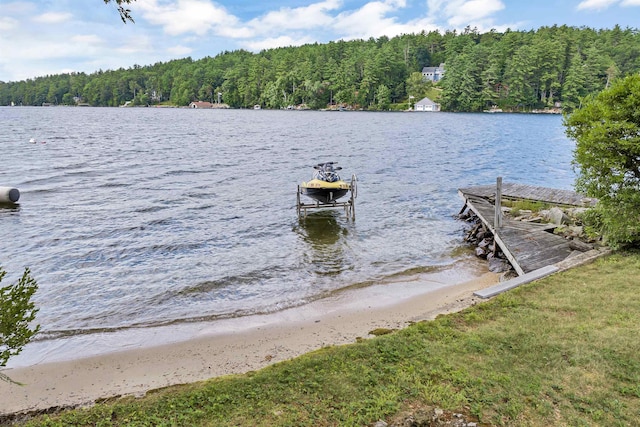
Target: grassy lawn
562,351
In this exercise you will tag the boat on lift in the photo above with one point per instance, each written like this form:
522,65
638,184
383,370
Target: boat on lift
325,189
326,186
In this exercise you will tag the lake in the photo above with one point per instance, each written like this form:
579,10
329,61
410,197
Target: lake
135,218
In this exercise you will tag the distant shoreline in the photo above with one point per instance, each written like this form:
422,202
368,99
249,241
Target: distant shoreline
552,111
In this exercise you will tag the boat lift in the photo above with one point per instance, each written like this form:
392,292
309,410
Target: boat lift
349,206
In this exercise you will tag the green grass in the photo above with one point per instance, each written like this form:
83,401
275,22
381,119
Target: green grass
560,351
434,94
522,205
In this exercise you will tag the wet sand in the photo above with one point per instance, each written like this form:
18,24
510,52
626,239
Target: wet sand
236,345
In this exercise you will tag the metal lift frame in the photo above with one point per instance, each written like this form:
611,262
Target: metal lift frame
349,206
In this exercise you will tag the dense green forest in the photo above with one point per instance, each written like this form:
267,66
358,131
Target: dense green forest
514,70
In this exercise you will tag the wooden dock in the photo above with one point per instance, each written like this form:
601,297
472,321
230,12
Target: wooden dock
512,191
527,246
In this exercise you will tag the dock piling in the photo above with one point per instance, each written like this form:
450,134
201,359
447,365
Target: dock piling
498,205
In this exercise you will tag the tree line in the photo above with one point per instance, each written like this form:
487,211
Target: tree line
514,70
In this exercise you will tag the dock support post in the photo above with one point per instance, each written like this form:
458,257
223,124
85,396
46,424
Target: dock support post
498,205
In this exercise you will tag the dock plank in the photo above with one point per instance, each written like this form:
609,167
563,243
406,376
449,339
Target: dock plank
531,192
513,283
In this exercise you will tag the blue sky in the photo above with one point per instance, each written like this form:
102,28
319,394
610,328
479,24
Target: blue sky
41,37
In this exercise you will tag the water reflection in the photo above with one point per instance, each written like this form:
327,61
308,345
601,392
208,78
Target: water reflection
325,234
9,207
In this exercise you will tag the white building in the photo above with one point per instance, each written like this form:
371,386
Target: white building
425,104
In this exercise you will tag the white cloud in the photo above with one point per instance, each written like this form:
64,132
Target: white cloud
475,10
605,4
185,16
282,41
595,4
460,13
135,45
18,7
234,32
87,39
52,18
8,24
307,17
40,51
368,21
374,18
416,26
179,50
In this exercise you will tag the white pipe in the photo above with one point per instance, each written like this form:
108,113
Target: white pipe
9,195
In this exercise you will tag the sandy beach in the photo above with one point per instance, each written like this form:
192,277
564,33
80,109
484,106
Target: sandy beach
237,345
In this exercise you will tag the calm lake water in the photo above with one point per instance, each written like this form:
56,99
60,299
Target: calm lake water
136,218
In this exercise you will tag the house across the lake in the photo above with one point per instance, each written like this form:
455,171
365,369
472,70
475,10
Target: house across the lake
201,104
204,104
433,74
425,104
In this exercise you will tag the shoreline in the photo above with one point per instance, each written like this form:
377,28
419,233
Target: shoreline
239,345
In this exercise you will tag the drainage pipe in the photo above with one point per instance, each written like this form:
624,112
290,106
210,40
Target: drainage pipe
9,195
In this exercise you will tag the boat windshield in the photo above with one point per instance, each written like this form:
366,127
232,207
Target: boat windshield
326,172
